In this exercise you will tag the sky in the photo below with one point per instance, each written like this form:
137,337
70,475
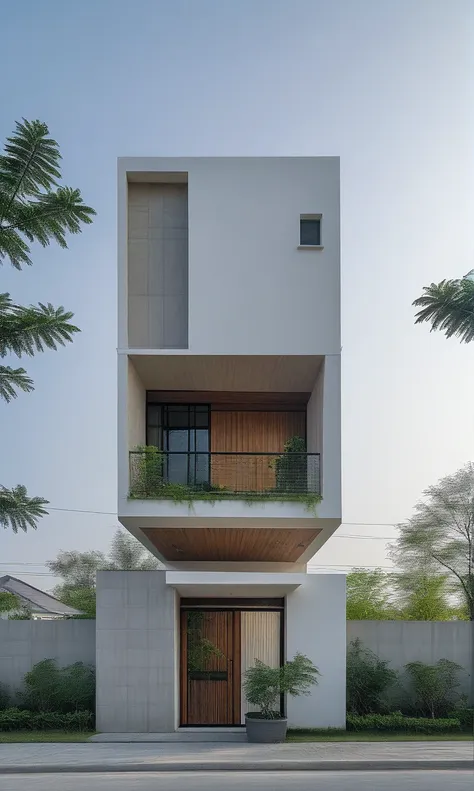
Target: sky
387,85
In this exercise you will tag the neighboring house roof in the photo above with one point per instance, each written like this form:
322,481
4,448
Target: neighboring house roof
36,599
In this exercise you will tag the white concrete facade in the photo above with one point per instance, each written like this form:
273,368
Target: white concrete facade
216,294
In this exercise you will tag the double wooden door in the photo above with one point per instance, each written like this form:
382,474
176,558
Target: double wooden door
210,667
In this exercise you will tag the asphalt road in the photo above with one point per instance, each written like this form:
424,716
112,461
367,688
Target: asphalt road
238,781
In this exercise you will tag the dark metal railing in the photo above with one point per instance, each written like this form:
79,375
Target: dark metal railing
161,474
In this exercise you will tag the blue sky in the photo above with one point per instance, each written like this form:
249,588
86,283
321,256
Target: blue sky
385,84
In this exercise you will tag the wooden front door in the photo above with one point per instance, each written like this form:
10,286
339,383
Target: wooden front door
210,667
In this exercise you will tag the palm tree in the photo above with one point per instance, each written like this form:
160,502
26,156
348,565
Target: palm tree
449,307
33,208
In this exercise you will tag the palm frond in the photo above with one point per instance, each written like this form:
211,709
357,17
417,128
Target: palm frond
30,162
12,380
31,203
26,330
449,307
18,510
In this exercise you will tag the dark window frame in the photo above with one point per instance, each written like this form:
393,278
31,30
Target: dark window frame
310,223
191,426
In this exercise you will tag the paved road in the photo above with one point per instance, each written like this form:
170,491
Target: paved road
240,781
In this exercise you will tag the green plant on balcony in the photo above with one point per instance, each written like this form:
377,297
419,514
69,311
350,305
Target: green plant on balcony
147,472
148,479
291,469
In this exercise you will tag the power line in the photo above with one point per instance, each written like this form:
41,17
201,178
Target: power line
114,513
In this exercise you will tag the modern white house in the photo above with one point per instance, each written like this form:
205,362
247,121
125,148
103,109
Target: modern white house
229,440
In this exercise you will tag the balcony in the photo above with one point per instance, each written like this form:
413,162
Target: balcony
287,476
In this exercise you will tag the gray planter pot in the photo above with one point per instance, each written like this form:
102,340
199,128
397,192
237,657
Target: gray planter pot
266,731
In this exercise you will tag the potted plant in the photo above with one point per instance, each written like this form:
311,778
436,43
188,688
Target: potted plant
263,686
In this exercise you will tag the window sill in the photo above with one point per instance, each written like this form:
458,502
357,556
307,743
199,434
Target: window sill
310,247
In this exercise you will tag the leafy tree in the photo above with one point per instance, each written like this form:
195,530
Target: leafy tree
78,569
128,554
434,686
424,597
33,208
368,595
8,602
449,307
439,537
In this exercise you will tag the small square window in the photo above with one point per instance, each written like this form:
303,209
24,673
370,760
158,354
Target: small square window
310,230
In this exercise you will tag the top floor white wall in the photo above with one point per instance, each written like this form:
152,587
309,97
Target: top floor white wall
250,289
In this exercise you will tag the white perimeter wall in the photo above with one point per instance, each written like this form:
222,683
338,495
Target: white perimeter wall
24,643
316,627
401,642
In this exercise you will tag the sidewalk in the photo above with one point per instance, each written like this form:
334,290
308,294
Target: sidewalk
175,757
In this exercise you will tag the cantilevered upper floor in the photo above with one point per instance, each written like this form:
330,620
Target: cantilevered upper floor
229,357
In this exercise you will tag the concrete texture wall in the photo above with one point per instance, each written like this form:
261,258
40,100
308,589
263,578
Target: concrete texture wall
316,627
426,641
158,266
24,643
137,652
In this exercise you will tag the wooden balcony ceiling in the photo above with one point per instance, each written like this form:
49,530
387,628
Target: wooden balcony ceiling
232,544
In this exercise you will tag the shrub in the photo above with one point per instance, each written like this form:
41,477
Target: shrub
22,720
4,697
263,684
65,690
397,722
434,686
368,679
465,717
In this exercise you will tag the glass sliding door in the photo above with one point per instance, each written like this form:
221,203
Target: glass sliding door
182,432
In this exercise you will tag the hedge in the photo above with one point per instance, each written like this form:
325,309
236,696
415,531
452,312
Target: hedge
22,720
465,717
397,722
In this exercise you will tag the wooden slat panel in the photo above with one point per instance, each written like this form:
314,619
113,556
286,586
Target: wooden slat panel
254,432
233,544
250,432
211,702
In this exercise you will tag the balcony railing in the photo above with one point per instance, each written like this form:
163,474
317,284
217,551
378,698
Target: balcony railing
183,476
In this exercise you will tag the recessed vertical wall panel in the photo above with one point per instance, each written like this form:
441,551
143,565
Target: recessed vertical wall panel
158,266
260,639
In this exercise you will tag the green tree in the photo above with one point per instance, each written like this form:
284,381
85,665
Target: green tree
449,307
424,597
439,538
33,208
78,569
369,595
8,602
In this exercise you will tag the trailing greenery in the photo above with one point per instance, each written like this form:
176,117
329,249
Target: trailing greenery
22,720
367,680
33,208
148,481
263,685
399,723
434,687
49,688
8,602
